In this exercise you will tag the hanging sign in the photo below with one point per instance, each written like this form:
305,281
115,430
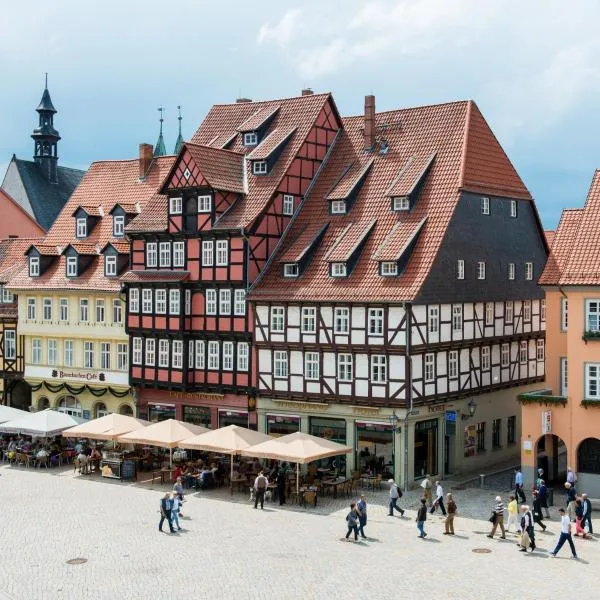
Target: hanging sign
546,421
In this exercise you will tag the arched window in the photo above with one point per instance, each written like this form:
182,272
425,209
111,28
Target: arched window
588,456
70,406
43,403
125,409
100,410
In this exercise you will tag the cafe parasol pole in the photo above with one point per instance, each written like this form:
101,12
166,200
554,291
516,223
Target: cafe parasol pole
231,476
170,458
297,478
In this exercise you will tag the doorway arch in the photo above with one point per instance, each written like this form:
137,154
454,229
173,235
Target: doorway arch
69,405
125,409
43,403
100,410
20,395
588,456
551,455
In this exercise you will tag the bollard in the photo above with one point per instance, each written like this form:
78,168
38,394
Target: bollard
481,480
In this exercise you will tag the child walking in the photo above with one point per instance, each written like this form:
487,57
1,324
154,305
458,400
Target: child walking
352,522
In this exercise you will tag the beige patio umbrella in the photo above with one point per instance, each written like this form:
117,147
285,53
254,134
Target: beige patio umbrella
297,447
226,440
108,427
166,434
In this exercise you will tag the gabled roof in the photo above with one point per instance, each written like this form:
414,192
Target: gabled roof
92,211
120,247
303,244
273,141
348,241
549,234
351,177
410,176
130,208
467,156
223,140
12,256
83,249
402,235
258,119
154,217
44,249
27,226
562,246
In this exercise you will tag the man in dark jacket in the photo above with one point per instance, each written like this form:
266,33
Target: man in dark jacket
281,485
587,513
543,495
571,497
166,505
537,510
421,518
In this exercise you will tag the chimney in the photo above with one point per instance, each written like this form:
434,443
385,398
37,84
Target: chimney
146,154
240,100
369,122
307,92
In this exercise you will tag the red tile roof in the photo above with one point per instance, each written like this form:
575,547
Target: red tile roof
120,247
399,239
12,256
348,241
256,120
92,211
410,175
223,140
141,276
223,169
549,234
467,156
278,136
46,249
84,249
301,245
154,217
562,246
349,179
130,208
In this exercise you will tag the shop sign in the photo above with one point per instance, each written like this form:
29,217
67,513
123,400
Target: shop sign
365,410
196,396
527,446
83,375
546,421
438,408
451,416
304,406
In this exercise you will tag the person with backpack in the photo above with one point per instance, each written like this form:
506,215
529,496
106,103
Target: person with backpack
421,518
260,487
352,522
395,495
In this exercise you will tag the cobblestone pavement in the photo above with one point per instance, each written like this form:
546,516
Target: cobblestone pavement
228,550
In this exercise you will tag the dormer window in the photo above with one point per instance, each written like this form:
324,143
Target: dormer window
204,203
338,207
81,229
401,203
290,270
338,269
119,225
34,266
71,266
485,206
110,266
388,269
288,205
175,206
250,138
259,167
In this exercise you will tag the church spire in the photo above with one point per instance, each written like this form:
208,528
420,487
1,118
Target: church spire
179,142
46,138
159,149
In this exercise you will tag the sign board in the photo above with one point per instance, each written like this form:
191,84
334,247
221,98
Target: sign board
451,415
527,446
546,421
75,374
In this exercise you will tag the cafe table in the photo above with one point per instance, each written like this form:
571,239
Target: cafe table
334,484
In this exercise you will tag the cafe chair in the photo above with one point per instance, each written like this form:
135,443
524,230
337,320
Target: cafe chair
309,497
42,460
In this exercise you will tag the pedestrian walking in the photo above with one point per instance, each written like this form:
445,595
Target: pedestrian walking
526,530
165,512
352,522
571,497
281,485
543,495
176,503
537,510
421,518
260,487
451,514
439,499
519,482
426,485
395,495
498,518
579,530
178,489
361,510
513,514
539,479
571,478
565,535
587,513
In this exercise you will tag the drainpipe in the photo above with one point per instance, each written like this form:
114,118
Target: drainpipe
409,395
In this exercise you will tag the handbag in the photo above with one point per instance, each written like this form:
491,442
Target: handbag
492,519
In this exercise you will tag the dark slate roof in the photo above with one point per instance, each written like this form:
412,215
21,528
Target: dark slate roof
47,199
46,102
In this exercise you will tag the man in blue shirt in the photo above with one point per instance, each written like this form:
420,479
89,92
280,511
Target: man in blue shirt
166,506
519,481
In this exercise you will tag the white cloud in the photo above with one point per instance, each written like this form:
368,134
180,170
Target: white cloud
282,33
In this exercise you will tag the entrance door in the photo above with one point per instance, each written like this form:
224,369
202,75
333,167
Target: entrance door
426,448
446,455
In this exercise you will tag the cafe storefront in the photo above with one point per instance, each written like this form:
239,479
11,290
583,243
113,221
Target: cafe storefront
375,448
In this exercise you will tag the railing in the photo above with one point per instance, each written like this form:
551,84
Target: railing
544,397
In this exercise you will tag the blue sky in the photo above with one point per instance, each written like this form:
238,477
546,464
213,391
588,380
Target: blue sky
532,67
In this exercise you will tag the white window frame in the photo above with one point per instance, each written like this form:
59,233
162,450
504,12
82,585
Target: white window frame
163,354
339,269
429,368
280,364
239,302
259,167
564,376
147,301
526,311
176,205
529,271
312,366
523,352
389,268
117,311
540,350
564,314
287,207
36,351
592,376
308,320
122,357
164,254
89,358
63,309
513,209
250,138
211,301
160,301
485,205
213,355
208,252
71,266
225,301
592,315
179,254
84,310
134,300
118,225
457,317
344,367
47,309
481,270
34,266
485,358
453,364
378,368
52,352
136,351
543,310
376,325
10,344
511,271
341,320
291,270
243,356
277,324
204,203
200,354
433,319
460,269
151,254
187,309
174,302
177,354
338,207
68,351
105,352
81,227
31,309
222,253
505,355
489,313
227,356
7,296
509,312
401,203
100,310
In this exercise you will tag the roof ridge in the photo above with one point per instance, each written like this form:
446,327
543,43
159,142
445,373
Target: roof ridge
256,102
409,108
235,152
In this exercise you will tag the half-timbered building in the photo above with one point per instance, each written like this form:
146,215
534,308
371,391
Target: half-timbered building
402,315
222,211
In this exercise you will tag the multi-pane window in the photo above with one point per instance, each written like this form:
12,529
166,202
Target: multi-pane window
105,355
204,203
47,309
243,352
523,352
489,313
177,348
100,310
117,311
63,305
52,346
485,206
433,319
480,437
31,309
504,355
213,355
207,253
513,208
225,302
84,310
485,358
68,349
288,204
511,430
376,321
564,377
10,344
481,269
175,205
592,381
188,302
509,312
122,357
191,354
136,354
71,266
151,254
81,229
110,266
147,300
277,319
6,296
291,270
564,314
338,207
401,203
34,266
341,320
36,351
119,225
222,253
429,368
496,433
309,319
457,317
378,368
250,138
592,315
311,366
150,358
540,352
344,367
211,302
163,353
174,302
529,271
453,364
228,356
527,311
134,300
164,254
543,310
280,362
178,254
338,269
88,355
239,302
389,269
511,271
200,347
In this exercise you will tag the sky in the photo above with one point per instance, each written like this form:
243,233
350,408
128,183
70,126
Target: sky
532,67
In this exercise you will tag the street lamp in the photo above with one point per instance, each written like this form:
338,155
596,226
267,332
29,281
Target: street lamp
472,406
